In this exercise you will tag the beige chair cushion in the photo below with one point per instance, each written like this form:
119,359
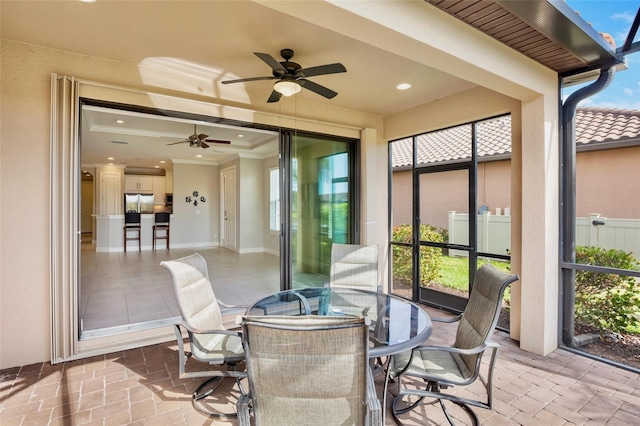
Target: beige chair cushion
354,266
307,369
200,310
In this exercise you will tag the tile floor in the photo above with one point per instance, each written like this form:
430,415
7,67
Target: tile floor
140,386
120,289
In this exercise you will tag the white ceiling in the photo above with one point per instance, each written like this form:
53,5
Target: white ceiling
214,41
148,141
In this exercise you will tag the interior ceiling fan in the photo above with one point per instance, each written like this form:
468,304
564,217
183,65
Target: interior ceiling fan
292,77
199,140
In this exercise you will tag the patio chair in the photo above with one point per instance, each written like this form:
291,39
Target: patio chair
308,370
209,341
458,365
354,266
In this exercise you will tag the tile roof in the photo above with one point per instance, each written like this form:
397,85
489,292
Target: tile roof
593,126
597,125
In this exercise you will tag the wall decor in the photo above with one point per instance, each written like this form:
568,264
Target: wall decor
193,198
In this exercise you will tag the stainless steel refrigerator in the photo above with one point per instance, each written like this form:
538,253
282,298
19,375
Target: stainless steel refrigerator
138,203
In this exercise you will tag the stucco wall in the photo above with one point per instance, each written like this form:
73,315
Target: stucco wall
449,192
606,182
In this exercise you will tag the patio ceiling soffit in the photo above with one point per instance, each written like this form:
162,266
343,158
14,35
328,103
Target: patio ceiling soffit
549,32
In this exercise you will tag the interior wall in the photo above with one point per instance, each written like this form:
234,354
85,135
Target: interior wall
195,225
271,238
252,206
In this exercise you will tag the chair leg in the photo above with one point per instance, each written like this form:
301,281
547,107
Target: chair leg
208,388
435,388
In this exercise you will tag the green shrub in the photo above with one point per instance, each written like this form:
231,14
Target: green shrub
430,257
609,302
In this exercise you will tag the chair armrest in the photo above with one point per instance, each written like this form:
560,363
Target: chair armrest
227,305
470,351
447,320
199,331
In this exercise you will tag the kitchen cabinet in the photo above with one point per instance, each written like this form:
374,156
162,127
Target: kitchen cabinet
109,192
134,183
168,181
158,190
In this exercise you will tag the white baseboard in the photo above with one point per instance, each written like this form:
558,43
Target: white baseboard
133,248
251,250
273,252
195,245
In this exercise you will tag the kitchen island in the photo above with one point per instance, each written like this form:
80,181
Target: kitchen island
110,236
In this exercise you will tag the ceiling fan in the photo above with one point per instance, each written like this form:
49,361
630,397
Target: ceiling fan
199,140
292,77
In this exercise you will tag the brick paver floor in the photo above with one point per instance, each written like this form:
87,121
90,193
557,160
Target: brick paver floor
140,386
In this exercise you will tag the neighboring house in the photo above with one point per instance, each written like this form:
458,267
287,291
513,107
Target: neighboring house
608,149
462,63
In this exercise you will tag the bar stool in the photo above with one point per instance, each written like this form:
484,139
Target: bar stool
161,228
132,224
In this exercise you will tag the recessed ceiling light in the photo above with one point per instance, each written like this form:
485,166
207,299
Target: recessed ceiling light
199,155
110,158
240,135
88,1
111,164
120,121
403,86
162,161
157,167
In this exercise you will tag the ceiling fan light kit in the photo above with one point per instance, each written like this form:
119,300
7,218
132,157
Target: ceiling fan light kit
292,77
287,88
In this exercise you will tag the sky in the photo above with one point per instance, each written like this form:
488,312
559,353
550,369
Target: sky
614,17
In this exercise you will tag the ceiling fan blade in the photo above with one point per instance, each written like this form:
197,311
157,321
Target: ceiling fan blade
204,145
175,143
322,70
202,136
317,88
217,141
270,60
275,96
240,80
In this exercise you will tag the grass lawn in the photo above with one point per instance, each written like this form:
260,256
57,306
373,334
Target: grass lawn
455,271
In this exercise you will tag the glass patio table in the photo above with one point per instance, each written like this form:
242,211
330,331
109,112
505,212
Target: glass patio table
396,325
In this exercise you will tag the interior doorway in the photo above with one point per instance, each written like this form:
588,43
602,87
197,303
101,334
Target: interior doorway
86,204
228,208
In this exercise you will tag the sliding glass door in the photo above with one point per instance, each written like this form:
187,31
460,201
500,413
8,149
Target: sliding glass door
320,180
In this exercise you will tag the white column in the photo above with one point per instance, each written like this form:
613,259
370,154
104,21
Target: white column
539,218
